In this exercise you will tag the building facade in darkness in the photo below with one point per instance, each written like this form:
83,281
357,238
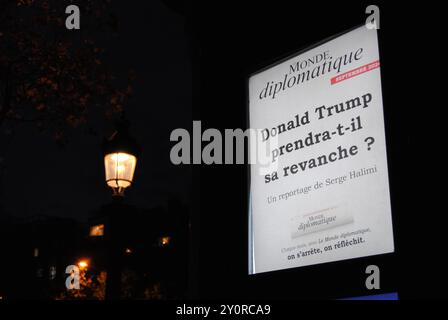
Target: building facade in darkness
123,252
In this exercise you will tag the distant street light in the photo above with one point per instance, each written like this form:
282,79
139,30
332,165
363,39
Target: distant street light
83,264
120,158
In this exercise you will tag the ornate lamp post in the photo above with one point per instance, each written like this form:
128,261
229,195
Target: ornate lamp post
120,153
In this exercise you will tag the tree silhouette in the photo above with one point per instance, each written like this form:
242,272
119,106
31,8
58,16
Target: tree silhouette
53,77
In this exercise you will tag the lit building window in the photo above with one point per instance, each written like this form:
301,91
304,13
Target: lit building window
36,252
164,241
97,231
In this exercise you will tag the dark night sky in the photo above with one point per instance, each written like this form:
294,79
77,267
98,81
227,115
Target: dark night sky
40,178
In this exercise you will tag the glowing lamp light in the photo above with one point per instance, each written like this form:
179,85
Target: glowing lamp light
120,169
83,264
164,241
120,158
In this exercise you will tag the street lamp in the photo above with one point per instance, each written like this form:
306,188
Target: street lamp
83,264
120,152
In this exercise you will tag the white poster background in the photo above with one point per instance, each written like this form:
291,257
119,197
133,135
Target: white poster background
360,206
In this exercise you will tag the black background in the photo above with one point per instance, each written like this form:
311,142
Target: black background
232,41
225,42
